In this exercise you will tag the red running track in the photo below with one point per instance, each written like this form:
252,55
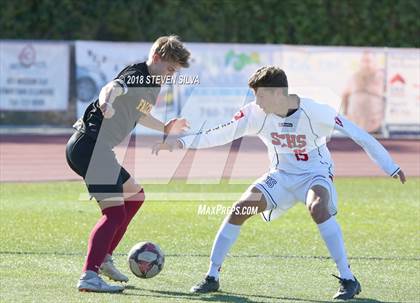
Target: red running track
42,158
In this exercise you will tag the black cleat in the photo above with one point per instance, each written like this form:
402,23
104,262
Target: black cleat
348,289
209,284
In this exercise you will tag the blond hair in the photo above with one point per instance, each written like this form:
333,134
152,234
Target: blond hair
170,48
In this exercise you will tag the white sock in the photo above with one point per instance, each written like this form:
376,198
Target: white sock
333,238
226,236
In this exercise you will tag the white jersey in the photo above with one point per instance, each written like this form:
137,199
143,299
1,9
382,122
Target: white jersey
296,144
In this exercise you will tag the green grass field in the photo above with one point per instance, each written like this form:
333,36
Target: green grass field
44,229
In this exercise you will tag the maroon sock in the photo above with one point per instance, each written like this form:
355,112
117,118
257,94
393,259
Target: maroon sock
132,205
101,236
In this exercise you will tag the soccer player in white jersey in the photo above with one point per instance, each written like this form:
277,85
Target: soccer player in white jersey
295,131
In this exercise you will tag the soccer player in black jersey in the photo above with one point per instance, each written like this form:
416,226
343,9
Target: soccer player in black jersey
122,103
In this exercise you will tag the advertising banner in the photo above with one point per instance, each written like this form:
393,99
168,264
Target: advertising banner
34,76
403,91
349,79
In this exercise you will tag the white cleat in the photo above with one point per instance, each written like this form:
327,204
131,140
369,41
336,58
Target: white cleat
108,269
91,282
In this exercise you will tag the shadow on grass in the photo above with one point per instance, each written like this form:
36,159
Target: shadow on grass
187,296
222,296
212,297
365,300
262,297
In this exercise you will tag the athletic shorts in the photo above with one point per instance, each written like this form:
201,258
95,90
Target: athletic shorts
282,191
97,164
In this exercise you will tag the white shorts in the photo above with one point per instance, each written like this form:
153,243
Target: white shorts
282,191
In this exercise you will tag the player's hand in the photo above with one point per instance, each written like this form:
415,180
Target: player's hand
107,110
400,175
165,146
176,126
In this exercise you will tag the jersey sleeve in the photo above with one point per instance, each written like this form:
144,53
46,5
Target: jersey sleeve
121,83
139,95
132,80
320,117
325,120
245,122
371,146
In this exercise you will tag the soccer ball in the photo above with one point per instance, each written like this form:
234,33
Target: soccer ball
146,260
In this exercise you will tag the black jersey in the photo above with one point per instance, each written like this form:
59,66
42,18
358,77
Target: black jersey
140,94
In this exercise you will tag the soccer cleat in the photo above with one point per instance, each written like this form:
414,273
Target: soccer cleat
209,284
108,269
348,289
91,282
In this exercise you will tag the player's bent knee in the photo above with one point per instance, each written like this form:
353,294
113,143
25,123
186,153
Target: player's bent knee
137,198
318,198
319,210
132,190
251,203
253,198
318,192
237,219
240,210
243,210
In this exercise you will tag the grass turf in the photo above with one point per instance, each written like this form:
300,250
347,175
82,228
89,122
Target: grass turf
44,229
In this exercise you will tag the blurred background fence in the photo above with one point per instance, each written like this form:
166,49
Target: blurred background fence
361,57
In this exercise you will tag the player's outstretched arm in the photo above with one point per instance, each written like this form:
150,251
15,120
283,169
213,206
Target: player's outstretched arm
176,126
172,127
371,146
108,94
245,122
220,135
